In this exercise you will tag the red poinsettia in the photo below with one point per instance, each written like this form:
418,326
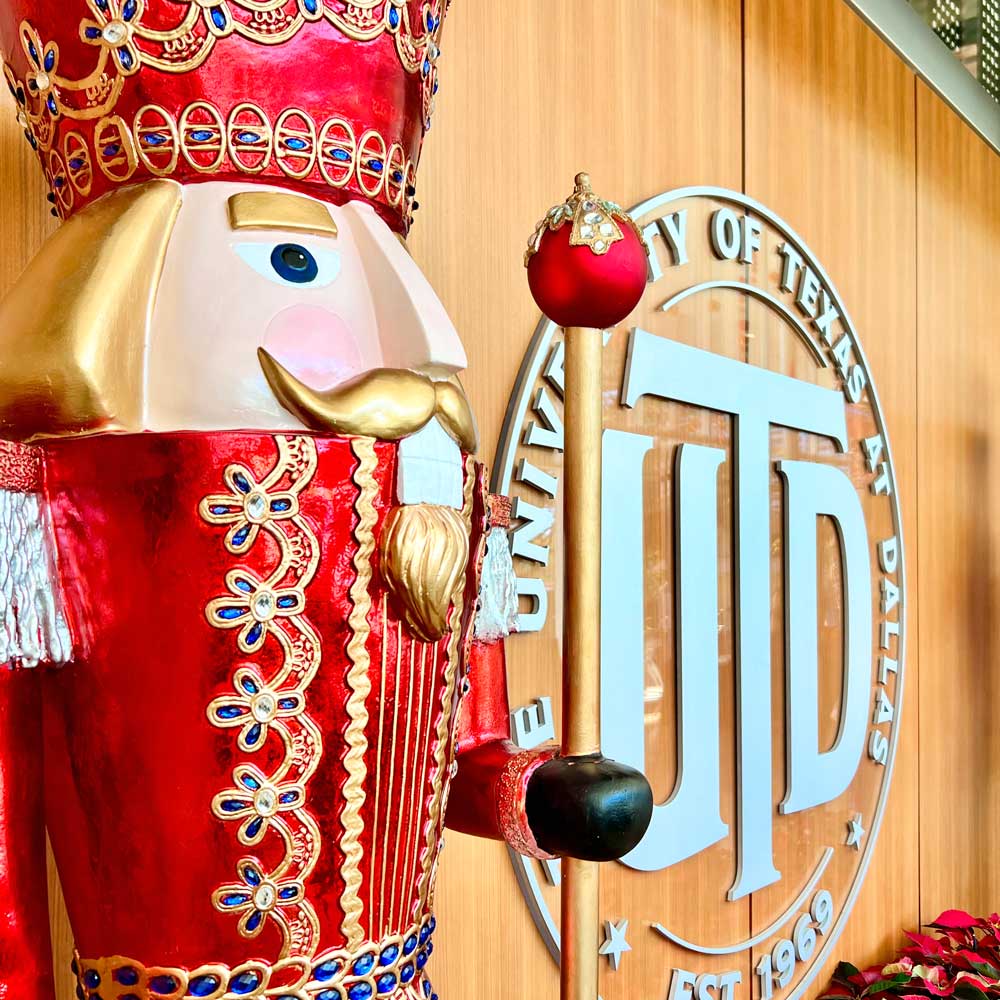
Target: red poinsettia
961,960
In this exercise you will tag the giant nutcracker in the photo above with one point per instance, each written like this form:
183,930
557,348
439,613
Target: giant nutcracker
243,539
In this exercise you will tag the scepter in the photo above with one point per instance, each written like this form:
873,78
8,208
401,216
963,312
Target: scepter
587,270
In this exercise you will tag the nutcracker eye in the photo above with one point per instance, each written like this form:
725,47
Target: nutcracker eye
291,263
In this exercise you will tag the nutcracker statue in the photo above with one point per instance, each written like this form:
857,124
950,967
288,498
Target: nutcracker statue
253,592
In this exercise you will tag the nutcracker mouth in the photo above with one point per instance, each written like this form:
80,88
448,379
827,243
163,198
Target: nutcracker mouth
386,403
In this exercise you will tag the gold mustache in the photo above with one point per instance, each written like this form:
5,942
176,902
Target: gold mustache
386,403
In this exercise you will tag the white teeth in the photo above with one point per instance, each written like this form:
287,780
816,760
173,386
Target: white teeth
430,468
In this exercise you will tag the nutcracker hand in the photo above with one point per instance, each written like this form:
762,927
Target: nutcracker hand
588,807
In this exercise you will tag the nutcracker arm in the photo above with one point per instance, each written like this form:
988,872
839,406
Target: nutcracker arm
25,950
489,792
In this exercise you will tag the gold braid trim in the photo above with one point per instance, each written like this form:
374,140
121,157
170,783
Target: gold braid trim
442,756
360,684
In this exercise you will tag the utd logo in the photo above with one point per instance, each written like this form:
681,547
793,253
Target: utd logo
753,604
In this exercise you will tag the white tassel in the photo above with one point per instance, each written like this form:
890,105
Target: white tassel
497,616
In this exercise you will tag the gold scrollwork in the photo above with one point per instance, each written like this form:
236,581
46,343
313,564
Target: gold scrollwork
273,607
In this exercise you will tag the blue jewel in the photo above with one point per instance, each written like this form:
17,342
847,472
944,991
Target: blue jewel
203,986
289,892
287,798
245,982
360,991
425,933
254,920
427,988
232,806
218,17
409,944
426,67
217,509
80,995
33,52
242,483
249,685
342,155
50,60
92,978
229,712
406,973
281,505
254,735
52,106
389,955
252,876
296,143
93,32
432,924
386,983
59,182
229,614
434,89
248,137
375,165
287,602
203,135
310,6
434,996
128,11
128,996
430,947
102,4
74,968
364,964
235,899
254,634
325,972
249,781
393,17
155,139
245,585
164,985
429,21
330,995
126,58
254,828
112,150
422,957
241,536
287,704
397,176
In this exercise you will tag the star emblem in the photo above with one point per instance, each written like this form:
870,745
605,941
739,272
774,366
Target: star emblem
615,945
855,831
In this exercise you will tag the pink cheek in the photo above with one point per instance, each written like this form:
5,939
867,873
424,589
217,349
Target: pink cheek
316,346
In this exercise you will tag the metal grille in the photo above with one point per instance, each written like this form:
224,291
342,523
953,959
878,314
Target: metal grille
971,30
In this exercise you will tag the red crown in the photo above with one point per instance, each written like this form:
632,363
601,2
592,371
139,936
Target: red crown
329,97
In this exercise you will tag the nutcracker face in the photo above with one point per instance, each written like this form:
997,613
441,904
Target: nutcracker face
328,291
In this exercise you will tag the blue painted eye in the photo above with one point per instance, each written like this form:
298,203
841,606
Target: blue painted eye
294,263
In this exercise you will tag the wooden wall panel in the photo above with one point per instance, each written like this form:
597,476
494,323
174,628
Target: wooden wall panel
645,95
958,233
830,147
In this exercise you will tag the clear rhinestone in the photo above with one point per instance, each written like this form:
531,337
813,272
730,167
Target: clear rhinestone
593,218
263,605
42,81
589,206
265,897
599,245
266,802
256,506
264,707
115,32
607,229
586,232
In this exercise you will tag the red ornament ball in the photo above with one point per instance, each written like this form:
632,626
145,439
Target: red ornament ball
574,286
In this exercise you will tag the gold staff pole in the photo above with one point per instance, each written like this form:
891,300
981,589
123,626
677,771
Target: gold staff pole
587,270
581,669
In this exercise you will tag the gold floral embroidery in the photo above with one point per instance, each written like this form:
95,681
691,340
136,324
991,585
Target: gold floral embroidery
273,609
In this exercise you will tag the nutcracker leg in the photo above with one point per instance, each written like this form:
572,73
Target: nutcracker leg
582,638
